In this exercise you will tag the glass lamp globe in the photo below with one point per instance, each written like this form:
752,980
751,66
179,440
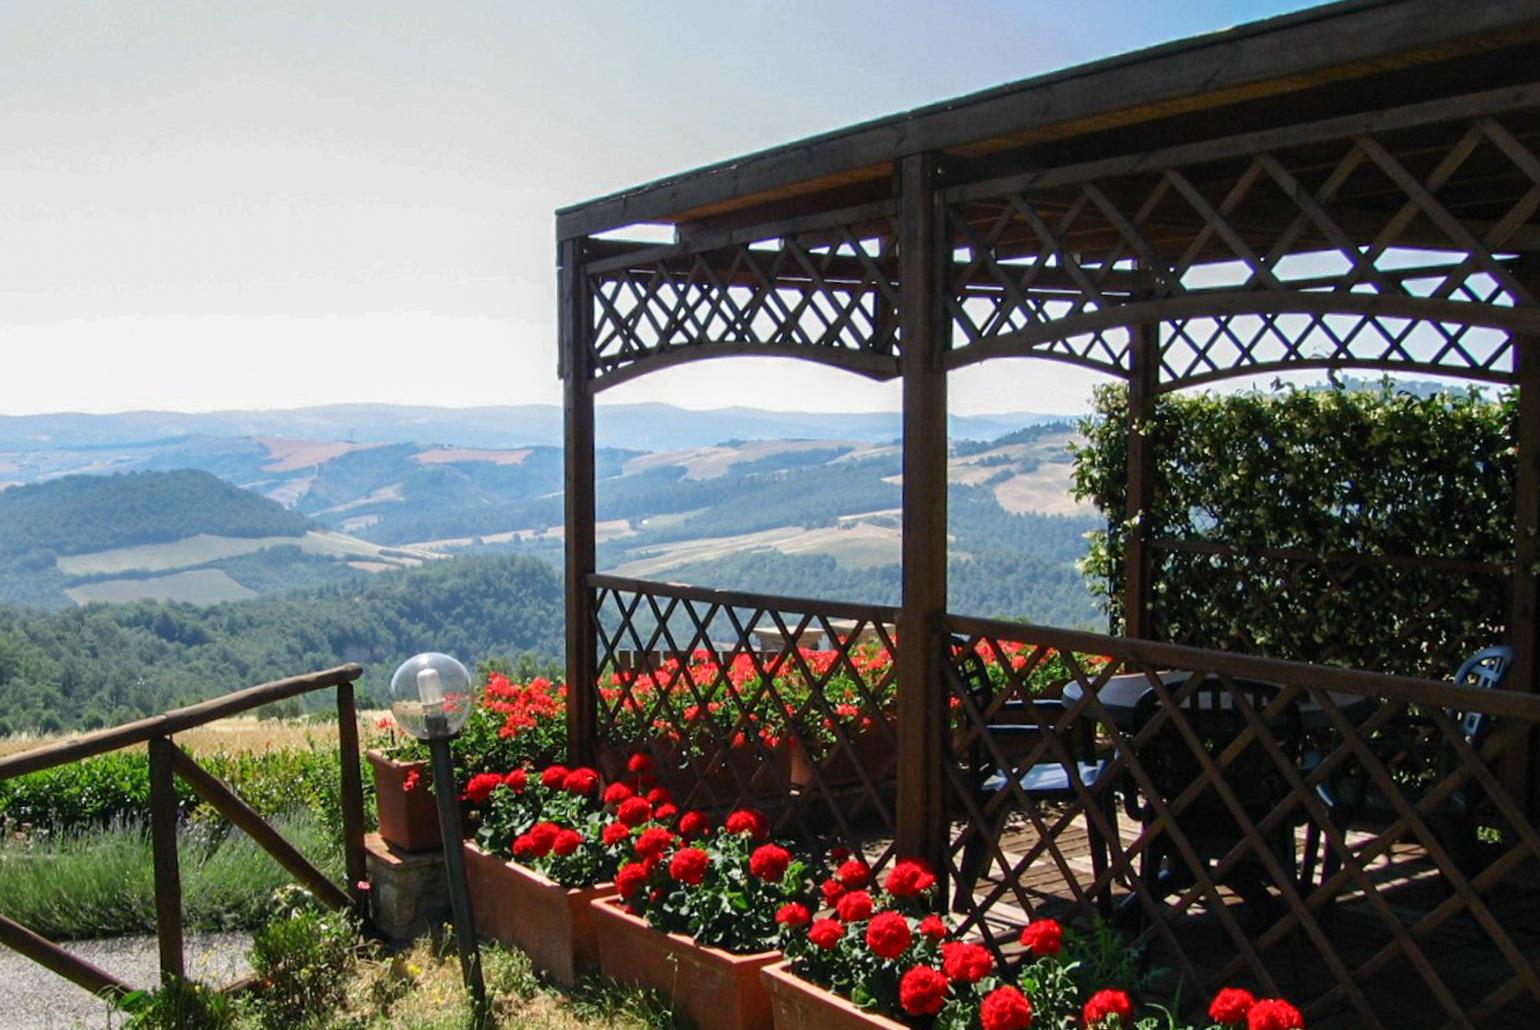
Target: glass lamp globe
431,696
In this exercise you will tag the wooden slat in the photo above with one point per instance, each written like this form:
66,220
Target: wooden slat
225,801
175,721
352,798
168,876
744,599
578,503
54,958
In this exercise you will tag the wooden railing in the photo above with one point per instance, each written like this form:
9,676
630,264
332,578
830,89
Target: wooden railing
167,761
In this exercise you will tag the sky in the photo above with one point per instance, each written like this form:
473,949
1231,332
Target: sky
277,204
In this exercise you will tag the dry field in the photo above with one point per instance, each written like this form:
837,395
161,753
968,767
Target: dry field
232,736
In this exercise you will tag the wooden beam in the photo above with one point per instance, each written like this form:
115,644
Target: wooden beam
55,959
352,799
174,721
744,599
1144,348
245,818
1524,609
1290,54
579,514
168,876
921,703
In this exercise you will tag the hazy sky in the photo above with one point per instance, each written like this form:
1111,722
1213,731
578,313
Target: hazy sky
272,204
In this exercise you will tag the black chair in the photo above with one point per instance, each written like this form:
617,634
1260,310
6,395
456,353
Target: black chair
1417,751
1207,822
1015,726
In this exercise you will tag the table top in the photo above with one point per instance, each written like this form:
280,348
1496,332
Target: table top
1120,695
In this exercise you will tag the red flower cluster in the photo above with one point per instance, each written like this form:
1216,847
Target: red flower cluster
580,781
793,914
652,843
1107,1003
1005,1008
1274,1014
633,811
694,824
688,866
629,878
1044,936
854,906
966,963
922,991
888,935
747,820
480,788
854,873
517,780
554,776
537,842
826,933
909,878
522,706
934,927
769,862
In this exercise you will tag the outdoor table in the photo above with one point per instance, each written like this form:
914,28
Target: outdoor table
1121,695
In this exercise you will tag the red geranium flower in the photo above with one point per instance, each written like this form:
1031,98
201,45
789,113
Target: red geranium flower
933,927
793,914
826,933
746,820
922,991
1106,1003
1005,1008
566,842
1274,1014
854,873
412,779
665,812
523,847
689,866
580,781
888,935
480,787
639,763
615,793
965,962
634,811
1231,1005
543,837
908,878
832,889
653,842
1044,936
553,776
628,879
517,780
769,862
694,824
854,906
659,796
615,832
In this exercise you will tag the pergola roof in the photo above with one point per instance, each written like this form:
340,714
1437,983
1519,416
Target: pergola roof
1247,78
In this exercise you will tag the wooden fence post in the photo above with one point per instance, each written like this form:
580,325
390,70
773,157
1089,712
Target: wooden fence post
352,798
578,439
1144,349
168,877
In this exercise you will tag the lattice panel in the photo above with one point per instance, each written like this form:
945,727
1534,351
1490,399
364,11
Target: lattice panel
1402,633
828,294
744,704
1306,835
1390,251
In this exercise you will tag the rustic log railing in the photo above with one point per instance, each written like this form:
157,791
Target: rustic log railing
167,761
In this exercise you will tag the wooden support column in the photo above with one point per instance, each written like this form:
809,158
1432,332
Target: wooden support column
922,825
578,440
1144,351
168,876
1524,610
352,799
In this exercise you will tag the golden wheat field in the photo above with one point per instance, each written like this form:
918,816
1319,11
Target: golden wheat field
234,735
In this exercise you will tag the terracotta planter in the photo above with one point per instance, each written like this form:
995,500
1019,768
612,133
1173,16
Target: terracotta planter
408,818
730,775
551,923
869,749
713,987
799,1005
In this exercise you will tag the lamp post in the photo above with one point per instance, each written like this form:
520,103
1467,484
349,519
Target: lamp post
431,696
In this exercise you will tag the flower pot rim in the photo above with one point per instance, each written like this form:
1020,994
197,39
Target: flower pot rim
375,754
606,887
614,903
782,973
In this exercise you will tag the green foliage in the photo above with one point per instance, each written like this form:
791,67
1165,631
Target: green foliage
139,659
304,956
1364,474
179,1005
99,883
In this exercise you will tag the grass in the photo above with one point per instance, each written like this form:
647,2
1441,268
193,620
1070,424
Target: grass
244,734
101,883
200,586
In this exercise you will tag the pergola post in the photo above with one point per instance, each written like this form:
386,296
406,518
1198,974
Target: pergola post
1144,353
1524,610
578,450
921,829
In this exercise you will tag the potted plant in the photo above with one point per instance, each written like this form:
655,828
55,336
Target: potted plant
549,845
695,916
515,723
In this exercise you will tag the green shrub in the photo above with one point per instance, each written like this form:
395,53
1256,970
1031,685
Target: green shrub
178,1005
304,957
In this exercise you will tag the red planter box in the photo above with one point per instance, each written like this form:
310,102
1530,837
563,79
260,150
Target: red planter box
799,1005
552,924
408,818
713,987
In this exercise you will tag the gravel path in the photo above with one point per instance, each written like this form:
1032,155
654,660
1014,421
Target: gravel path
39,1000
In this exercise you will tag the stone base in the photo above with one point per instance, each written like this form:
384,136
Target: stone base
407,891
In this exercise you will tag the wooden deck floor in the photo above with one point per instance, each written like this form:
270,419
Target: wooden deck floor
1369,937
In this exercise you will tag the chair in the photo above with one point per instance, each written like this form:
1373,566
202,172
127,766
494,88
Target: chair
1415,742
1014,725
1207,822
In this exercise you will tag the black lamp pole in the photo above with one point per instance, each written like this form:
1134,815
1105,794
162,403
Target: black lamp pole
454,863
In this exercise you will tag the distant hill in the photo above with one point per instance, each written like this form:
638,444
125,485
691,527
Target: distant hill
108,664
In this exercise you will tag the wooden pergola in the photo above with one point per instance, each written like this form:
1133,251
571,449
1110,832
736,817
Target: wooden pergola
1354,186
